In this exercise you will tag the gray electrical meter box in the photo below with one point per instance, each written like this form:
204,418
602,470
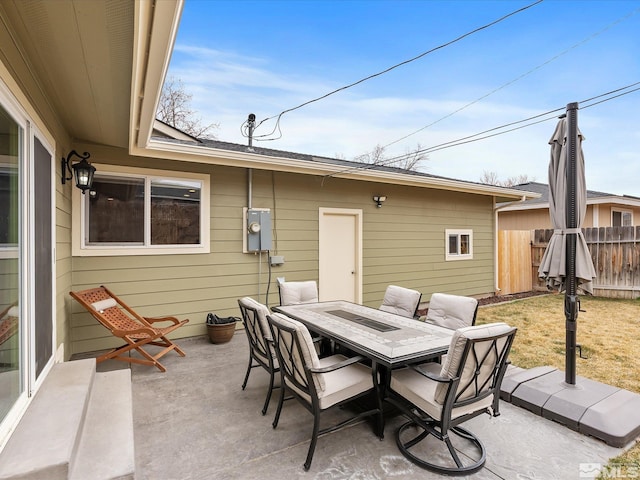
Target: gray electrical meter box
258,229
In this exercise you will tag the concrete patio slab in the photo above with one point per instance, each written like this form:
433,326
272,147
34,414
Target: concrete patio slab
195,422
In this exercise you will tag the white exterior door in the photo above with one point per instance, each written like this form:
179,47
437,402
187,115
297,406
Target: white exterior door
340,254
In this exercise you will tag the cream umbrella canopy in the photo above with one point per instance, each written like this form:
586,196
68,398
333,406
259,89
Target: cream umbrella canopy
566,264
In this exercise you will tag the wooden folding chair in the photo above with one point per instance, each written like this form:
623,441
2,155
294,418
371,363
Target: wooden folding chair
123,322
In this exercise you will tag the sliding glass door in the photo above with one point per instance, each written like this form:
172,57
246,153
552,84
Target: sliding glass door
12,384
27,334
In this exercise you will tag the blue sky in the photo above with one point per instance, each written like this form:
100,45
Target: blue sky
264,57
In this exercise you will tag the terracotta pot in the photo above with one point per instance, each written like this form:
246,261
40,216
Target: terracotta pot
221,333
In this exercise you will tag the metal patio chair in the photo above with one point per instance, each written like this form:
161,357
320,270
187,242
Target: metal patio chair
400,300
319,384
437,399
261,350
126,324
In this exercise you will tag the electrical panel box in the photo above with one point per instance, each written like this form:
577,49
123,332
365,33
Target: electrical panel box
258,229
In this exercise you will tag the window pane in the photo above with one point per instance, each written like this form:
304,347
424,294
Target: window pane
8,204
175,212
626,219
116,210
616,220
453,244
464,245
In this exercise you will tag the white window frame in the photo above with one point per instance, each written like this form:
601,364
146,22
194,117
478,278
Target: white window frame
622,212
8,250
81,249
458,233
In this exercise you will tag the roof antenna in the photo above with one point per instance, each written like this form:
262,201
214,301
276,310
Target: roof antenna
251,124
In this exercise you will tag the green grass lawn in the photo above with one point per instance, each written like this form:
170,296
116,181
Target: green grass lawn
608,332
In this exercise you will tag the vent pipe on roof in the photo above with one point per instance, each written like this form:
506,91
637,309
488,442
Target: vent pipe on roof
251,125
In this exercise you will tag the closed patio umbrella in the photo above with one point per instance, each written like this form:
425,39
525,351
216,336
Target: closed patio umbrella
566,263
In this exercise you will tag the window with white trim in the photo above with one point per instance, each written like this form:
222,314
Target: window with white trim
458,244
621,218
131,211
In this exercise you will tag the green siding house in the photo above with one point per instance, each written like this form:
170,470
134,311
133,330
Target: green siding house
166,225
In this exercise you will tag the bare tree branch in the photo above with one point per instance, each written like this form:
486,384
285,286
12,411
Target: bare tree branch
491,178
409,161
175,109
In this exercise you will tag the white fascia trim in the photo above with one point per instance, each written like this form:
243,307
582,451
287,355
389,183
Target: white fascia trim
156,27
615,200
200,154
517,206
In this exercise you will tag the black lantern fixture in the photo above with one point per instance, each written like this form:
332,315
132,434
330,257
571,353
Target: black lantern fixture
82,171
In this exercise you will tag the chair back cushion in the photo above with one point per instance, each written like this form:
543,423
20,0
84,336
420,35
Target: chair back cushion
295,293
256,326
452,311
262,312
401,301
475,364
296,350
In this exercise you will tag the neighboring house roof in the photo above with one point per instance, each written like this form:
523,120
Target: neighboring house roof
164,130
593,197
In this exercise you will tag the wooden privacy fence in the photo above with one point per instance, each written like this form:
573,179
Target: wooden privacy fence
514,261
615,252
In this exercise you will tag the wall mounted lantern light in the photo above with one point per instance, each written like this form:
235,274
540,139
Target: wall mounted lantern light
82,171
379,199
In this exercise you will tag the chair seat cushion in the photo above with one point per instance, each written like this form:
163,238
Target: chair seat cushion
340,384
343,383
421,391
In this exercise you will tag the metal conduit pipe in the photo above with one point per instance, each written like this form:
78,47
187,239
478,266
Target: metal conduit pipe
249,187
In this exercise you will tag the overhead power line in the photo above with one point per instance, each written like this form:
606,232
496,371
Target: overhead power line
534,120
520,77
417,57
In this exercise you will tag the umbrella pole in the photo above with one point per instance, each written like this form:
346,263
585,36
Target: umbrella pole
571,302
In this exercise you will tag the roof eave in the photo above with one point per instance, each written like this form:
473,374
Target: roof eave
612,199
208,155
156,27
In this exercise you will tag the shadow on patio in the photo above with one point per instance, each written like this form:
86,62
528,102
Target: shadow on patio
195,422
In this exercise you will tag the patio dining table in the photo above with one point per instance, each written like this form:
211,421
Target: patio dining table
387,339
